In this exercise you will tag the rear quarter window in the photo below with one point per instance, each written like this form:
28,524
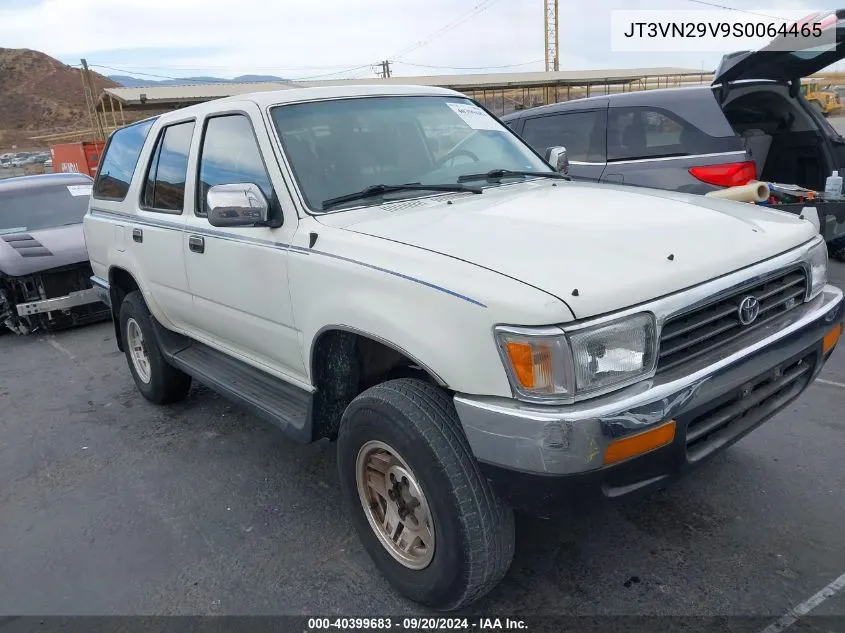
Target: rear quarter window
120,160
644,132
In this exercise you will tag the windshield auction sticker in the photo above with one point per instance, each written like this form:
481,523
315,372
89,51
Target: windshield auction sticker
474,116
79,190
717,31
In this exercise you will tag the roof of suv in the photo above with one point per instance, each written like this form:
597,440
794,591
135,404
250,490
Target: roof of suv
294,95
637,98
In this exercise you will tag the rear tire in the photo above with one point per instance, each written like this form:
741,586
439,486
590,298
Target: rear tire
157,381
409,428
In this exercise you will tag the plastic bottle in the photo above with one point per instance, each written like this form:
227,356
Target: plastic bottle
833,185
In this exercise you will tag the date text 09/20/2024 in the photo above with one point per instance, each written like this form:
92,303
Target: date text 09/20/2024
415,624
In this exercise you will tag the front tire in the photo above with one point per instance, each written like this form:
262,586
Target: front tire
422,509
157,381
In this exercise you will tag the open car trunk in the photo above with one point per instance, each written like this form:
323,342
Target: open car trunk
759,92
785,141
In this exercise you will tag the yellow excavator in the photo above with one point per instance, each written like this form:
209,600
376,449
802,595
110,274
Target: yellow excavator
821,95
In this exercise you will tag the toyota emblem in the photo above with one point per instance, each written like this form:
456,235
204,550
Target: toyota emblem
748,310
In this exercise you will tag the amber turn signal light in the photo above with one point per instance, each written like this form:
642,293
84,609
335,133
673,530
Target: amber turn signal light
532,364
831,338
633,445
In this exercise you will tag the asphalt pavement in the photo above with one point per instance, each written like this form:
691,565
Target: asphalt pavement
111,505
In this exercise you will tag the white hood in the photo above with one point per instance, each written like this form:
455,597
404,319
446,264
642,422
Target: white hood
617,246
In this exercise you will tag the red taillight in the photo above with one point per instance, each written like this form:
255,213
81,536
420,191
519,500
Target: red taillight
727,174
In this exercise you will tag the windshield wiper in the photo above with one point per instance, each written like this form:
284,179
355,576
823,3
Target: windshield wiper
498,174
380,190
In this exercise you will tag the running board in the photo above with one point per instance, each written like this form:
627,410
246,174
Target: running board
265,396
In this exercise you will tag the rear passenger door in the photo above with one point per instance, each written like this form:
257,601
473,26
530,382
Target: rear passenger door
581,132
158,238
239,275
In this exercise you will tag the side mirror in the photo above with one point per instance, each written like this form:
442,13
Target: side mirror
239,204
557,158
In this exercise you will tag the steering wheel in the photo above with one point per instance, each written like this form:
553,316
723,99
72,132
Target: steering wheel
454,154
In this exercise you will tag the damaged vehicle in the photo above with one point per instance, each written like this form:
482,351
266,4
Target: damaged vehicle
448,309
44,269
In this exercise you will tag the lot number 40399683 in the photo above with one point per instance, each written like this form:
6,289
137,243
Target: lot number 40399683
416,624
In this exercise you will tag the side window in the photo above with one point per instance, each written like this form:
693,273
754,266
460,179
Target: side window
230,154
581,133
634,133
119,163
164,189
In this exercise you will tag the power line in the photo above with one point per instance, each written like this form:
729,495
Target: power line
129,68
537,61
340,72
204,81
133,72
721,6
479,8
212,67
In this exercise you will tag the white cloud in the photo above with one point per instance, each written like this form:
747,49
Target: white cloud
298,38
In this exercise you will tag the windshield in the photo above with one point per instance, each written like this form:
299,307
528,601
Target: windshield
31,208
338,147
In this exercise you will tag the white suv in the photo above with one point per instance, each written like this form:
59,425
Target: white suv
392,268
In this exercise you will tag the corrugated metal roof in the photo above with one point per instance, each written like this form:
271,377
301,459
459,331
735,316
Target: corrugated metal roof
191,92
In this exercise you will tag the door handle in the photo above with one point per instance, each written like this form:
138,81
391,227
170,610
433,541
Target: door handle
137,235
196,244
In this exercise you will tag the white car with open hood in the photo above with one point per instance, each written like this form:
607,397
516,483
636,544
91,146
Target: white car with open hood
392,268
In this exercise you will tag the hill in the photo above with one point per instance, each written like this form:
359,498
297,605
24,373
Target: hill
135,82
40,95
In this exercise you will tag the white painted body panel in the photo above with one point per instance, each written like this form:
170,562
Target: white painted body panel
162,261
438,310
611,243
429,279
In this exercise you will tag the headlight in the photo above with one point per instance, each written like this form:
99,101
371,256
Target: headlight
546,363
610,354
817,260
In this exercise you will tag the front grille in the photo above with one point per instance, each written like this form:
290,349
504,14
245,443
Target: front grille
711,326
747,406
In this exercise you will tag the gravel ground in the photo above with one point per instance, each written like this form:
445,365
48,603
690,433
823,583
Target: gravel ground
110,505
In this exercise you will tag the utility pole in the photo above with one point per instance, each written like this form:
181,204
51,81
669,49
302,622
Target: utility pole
385,69
91,102
550,10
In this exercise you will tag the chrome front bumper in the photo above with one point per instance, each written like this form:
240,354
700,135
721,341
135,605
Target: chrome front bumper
561,440
71,300
101,287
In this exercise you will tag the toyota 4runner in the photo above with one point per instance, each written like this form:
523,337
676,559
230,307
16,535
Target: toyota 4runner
392,268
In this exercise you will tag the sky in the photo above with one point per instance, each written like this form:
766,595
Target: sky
310,39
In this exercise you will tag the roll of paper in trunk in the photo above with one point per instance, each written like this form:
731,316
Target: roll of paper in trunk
754,191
